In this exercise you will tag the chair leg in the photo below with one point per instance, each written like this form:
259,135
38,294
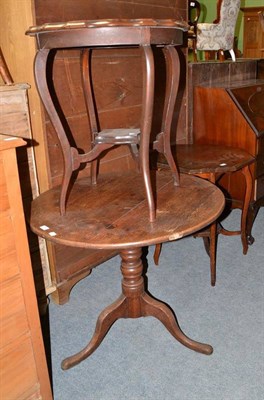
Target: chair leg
249,184
194,50
157,253
221,55
145,126
213,240
232,53
209,55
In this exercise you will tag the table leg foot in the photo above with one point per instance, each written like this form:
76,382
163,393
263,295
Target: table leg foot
134,302
159,310
105,320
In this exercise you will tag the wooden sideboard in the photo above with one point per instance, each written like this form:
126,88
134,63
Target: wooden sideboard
233,115
23,366
253,39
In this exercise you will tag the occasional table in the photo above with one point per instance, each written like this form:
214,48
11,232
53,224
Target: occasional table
114,215
211,162
88,36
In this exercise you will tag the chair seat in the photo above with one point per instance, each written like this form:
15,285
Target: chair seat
201,159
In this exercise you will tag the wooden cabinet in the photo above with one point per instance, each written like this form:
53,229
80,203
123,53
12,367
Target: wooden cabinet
253,40
15,121
23,367
233,115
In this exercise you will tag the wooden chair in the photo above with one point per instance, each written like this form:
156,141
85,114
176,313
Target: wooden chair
119,34
218,36
211,162
194,11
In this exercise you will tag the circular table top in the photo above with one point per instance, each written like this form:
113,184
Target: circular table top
114,214
107,23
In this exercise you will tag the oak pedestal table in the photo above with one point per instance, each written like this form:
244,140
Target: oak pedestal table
114,215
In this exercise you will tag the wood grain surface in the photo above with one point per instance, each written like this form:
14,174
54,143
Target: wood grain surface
113,214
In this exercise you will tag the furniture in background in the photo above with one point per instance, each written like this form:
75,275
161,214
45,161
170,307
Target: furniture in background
253,38
211,162
114,215
23,366
194,10
219,35
232,115
228,72
89,35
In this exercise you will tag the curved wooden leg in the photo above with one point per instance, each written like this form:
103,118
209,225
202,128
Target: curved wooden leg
213,236
89,102
249,184
134,302
159,310
146,122
172,85
157,253
127,305
41,61
64,188
252,212
104,322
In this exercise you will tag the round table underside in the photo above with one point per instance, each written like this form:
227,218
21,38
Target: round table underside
114,214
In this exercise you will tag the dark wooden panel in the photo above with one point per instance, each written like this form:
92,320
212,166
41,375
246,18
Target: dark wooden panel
210,72
68,10
213,124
